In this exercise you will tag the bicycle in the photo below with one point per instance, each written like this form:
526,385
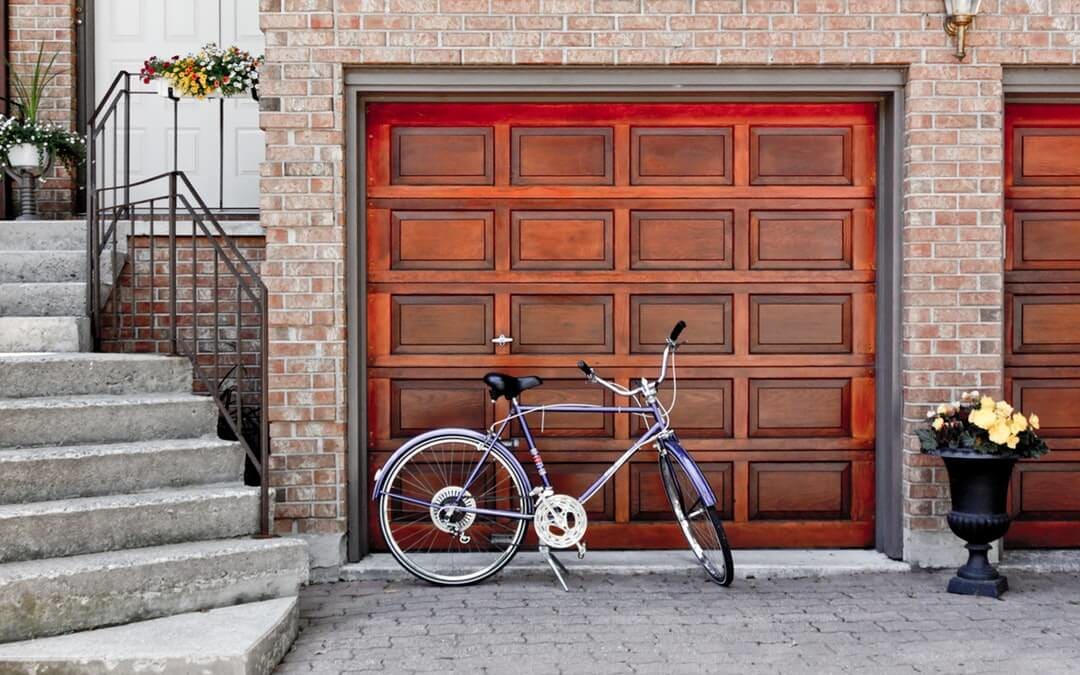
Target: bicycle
454,504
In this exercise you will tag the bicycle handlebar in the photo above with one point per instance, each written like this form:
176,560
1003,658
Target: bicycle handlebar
671,346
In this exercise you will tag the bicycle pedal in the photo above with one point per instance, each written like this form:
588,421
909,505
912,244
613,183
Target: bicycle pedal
581,550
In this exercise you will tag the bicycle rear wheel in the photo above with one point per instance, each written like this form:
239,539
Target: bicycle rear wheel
700,523
424,528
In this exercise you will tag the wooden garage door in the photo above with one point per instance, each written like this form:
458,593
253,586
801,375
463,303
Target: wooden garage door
1042,307
586,231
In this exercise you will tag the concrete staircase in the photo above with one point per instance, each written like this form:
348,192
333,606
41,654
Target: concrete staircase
42,286
125,528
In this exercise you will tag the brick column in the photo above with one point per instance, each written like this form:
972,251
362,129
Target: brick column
953,273
33,24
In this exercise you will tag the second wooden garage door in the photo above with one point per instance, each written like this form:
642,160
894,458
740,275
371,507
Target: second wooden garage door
586,230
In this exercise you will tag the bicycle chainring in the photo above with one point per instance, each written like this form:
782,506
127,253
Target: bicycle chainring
560,521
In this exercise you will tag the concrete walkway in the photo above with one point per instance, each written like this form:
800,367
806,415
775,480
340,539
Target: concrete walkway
877,623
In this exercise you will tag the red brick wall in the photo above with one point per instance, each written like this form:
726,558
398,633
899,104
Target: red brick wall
33,24
952,159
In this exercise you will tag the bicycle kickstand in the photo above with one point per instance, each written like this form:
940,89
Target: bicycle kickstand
556,566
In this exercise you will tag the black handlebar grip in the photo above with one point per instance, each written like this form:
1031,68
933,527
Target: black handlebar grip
677,330
585,368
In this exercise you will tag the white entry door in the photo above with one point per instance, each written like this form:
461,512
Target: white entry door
221,159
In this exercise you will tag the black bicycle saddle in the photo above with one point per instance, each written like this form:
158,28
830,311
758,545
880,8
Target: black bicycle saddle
509,386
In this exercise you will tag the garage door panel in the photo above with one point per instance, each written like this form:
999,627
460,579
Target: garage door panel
417,406
652,317
800,490
1047,240
441,324
673,240
1046,324
562,324
801,239
555,424
649,501
704,408
1054,400
800,156
1046,156
566,240
604,224
799,408
442,240
1047,490
562,156
681,156
442,156
800,324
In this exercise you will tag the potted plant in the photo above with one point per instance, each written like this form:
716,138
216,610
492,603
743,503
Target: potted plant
209,73
980,440
28,145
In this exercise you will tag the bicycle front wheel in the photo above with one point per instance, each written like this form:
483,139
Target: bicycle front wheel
700,523
423,524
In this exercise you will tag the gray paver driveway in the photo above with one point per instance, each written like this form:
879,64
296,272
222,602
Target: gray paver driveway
894,623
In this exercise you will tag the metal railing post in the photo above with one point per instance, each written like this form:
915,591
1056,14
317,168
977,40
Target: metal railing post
127,140
173,337
264,416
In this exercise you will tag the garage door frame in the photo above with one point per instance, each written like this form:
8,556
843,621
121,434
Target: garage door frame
885,86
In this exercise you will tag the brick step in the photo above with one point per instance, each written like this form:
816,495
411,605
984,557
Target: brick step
65,472
30,375
43,299
81,420
114,522
41,598
44,334
248,638
38,235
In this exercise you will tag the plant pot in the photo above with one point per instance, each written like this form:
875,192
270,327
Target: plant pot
27,157
165,89
980,487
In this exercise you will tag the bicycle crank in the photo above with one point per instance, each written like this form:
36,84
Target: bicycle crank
560,522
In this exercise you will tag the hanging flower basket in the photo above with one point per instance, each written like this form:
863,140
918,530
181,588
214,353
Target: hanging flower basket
212,72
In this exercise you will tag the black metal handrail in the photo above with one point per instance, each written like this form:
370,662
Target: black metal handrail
217,318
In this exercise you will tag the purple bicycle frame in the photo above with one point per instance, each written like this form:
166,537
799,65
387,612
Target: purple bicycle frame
656,431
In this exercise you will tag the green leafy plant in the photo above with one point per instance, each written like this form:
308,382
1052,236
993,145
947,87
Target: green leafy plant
982,425
28,94
23,126
65,146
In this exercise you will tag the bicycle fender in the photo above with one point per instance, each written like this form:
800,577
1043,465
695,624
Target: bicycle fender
692,470
380,474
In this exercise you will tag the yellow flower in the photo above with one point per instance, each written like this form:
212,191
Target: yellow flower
986,403
938,423
1033,419
999,432
944,409
1018,423
983,418
1004,409
1012,441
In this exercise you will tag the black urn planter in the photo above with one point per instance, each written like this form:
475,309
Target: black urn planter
980,486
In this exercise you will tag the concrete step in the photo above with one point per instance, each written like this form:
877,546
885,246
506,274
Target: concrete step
47,235
114,522
28,375
44,334
65,472
41,598
246,639
43,299
81,420
33,266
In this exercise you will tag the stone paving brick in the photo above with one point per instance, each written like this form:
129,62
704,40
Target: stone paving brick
880,624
